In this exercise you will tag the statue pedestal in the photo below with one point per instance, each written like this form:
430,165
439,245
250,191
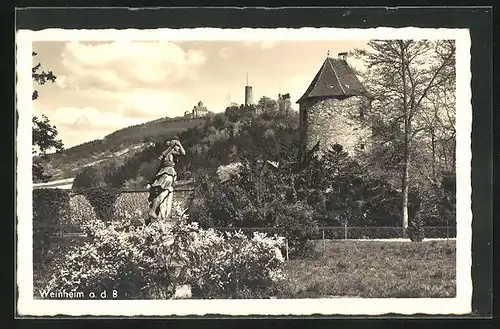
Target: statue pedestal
168,205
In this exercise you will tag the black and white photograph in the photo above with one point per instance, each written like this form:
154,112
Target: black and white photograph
244,171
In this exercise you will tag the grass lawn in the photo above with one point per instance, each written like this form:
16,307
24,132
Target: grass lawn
350,268
373,269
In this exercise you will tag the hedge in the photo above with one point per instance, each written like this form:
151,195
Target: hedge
103,200
50,207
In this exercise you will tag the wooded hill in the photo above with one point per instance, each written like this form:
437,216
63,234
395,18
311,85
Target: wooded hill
120,144
217,140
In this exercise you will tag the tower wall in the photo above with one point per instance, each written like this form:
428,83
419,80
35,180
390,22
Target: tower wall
332,121
248,95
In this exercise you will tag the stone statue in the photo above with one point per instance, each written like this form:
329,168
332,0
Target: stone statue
161,187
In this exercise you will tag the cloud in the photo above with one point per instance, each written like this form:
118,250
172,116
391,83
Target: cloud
123,64
268,44
152,104
61,81
107,86
141,103
80,124
263,44
224,53
90,118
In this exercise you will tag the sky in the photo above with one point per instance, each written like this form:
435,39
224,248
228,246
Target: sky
105,86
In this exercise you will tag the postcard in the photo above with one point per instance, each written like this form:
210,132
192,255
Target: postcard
185,172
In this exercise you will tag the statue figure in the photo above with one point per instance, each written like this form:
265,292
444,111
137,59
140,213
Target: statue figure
161,187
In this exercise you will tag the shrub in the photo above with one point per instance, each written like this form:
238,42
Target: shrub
151,261
134,262
227,265
50,207
296,223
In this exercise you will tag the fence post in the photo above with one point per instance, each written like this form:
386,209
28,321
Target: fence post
286,248
324,243
447,229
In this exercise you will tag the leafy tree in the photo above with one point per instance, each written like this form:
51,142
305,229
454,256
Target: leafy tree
416,230
40,77
44,133
89,177
401,75
267,105
233,113
106,174
44,136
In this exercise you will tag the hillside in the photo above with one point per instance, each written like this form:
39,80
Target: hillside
119,145
218,141
214,141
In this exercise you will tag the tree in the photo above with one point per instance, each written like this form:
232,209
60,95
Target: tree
402,75
233,113
90,177
40,77
44,133
44,136
266,105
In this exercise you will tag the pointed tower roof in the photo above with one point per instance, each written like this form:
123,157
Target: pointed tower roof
335,79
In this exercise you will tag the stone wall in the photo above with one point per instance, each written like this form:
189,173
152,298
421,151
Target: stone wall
333,121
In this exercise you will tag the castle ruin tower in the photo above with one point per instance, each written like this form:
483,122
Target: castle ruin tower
248,94
332,107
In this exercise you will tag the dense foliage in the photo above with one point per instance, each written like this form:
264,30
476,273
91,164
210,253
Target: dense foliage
152,261
412,115
300,191
50,208
102,200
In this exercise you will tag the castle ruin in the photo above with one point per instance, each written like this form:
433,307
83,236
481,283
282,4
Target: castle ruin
284,103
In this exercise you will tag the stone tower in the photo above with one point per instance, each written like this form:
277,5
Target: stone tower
248,94
332,108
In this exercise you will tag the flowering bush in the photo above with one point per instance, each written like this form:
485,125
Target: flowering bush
151,261
220,264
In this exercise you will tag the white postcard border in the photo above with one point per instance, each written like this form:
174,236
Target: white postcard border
461,304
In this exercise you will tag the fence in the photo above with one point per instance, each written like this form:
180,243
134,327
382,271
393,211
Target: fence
134,204
365,232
